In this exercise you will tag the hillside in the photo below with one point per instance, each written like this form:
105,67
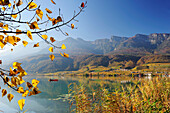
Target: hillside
43,64
156,43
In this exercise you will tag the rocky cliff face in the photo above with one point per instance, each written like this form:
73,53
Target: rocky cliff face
157,43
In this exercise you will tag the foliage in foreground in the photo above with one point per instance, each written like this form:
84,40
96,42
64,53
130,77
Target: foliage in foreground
138,96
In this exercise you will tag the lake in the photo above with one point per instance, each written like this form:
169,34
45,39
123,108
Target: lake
53,99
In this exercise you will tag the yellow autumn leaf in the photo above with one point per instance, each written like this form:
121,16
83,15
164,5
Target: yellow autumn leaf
39,13
9,5
52,57
32,5
34,25
24,43
72,26
3,8
22,74
5,27
20,90
20,69
14,16
35,91
10,97
35,82
12,85
16,65
63,46
6,79
53,2
51,49
2,44
16,39
29,85
18,32
44,37
36,45
29,34
66,55
25,93
54,21
12,72
10,40
4,92
61,54
13,81
49,11
21,103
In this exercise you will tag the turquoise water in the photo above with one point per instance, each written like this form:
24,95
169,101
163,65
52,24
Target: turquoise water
53,98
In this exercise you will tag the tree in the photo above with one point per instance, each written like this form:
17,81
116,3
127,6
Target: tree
13,26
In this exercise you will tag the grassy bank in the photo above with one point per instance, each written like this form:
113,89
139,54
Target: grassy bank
137,96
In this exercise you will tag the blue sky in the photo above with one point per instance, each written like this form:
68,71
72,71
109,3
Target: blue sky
104,18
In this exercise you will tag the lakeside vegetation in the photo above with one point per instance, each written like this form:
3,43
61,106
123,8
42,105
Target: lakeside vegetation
137,96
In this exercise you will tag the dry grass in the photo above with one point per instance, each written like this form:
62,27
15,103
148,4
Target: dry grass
138,96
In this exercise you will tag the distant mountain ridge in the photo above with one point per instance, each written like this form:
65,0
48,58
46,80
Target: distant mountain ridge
43,64
156,43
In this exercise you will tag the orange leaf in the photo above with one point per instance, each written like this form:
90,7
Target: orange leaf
19,3
49,18
52,39
53,2
36,45
52,57
34,25
39,13
10,97
72,26
18,31
49,11
4,92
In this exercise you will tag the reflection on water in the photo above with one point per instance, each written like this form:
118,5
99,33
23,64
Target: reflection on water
49,101
53,98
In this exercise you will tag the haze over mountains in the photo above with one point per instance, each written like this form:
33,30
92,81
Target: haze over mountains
103,52
157,43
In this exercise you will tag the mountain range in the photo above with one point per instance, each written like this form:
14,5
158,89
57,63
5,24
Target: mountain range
157,43
101,52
